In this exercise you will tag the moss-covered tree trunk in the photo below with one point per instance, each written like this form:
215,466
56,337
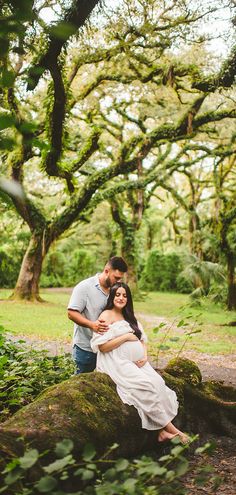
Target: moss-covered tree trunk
128,243
231,299
27,285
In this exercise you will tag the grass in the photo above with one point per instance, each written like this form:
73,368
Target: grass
48,321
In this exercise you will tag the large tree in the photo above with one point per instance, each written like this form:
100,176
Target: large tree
57,108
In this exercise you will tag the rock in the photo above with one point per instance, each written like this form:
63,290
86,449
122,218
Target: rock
185,369
86,408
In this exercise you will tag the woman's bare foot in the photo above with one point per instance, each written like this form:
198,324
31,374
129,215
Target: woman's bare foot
170,428
184,438
164,436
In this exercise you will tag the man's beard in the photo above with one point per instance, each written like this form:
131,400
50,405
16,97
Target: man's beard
108,283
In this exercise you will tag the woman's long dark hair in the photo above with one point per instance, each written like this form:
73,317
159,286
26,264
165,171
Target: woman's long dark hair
128,310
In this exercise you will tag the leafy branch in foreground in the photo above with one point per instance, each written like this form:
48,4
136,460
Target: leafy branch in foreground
30,474
25,373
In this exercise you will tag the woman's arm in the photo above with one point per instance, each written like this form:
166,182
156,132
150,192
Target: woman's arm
117,341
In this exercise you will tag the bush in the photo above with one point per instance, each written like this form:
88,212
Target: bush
161,271
82,264
10,264
25,373
63,474
65,270
183,284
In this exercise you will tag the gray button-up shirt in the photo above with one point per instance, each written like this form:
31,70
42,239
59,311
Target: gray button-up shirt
89,299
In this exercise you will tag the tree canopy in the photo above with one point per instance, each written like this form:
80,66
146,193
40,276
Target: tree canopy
131,100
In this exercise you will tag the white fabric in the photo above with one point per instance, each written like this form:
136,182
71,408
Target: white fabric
142,387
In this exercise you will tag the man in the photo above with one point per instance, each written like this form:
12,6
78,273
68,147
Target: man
87,301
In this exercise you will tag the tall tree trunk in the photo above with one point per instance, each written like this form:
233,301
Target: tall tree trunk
128,251
231,299
27,285
195,233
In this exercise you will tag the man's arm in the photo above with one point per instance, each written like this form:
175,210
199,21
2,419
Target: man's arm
98,326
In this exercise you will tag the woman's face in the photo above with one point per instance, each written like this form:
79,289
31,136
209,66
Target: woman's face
120,299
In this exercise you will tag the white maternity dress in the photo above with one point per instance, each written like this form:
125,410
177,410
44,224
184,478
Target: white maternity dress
142,387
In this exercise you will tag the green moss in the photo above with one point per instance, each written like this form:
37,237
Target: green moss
219,391
84,408
185,369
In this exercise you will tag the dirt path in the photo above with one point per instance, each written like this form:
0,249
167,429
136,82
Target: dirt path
220,367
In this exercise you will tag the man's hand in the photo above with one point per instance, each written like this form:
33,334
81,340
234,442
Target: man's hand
141,362
99,326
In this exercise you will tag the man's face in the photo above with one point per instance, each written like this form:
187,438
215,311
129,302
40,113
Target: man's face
113,276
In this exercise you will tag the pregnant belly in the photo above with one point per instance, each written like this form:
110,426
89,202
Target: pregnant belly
133,351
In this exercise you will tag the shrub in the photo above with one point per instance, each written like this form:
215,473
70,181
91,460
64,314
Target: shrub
161,271
62,269
9,267
63,474
25,373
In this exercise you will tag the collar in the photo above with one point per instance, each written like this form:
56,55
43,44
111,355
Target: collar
97,284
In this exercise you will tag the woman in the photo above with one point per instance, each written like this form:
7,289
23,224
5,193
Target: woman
122,354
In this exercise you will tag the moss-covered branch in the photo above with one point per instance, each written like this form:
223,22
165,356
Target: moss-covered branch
225,77
74,18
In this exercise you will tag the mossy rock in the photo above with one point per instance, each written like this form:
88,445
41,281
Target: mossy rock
87,409
184,369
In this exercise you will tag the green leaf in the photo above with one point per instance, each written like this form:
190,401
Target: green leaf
64,447
7,78
13,476
63,30
89,452
46,484
174,339
29,459
163,347
129,485
3,360
180,323
121,464
6,121
177,450
182,468
170,475
110,474
165,458
156,329
59,464
87,474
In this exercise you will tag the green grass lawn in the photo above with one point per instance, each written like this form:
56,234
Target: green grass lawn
48,321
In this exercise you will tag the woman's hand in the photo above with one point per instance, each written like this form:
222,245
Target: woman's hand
131,337
141,362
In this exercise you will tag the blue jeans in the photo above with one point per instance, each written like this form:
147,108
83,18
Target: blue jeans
85,360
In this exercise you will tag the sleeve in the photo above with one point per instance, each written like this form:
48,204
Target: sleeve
144,336
98,339
78,297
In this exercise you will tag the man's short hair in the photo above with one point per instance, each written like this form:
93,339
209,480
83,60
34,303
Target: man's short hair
118,263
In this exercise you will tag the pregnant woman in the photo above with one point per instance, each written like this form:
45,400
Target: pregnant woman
122,355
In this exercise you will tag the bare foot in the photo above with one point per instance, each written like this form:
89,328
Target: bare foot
165,435
183,438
